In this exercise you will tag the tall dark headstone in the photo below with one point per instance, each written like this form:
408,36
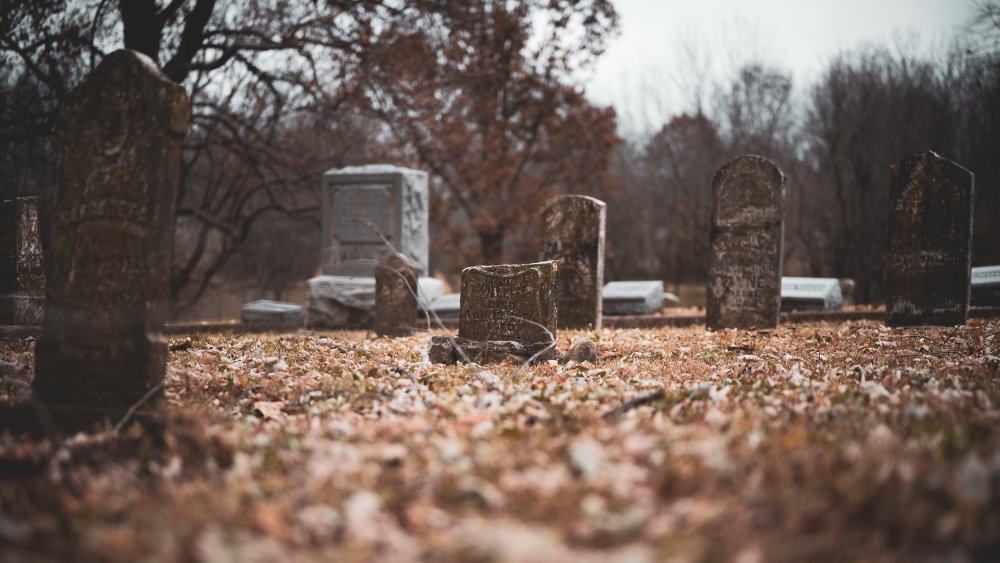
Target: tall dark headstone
395,296
573,233
747,231
119,139
22,281
930,241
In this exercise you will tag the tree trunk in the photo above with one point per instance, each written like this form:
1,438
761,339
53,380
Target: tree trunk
491,243
141,28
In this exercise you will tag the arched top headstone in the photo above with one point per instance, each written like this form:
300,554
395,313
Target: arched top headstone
119,136
930,239
748,190
747,232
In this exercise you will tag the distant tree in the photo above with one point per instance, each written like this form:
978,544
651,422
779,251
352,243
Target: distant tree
253,71
482,95
869,110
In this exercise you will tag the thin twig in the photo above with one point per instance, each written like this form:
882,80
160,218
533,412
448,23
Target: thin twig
637,402
131,410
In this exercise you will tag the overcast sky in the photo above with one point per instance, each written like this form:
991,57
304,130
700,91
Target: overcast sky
646,59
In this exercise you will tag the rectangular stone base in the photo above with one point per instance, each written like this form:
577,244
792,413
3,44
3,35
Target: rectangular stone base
22,309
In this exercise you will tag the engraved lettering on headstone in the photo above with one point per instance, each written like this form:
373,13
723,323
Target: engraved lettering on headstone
747,229
930,240
119,137
503,302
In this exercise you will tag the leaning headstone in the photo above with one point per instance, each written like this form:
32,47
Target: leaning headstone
573,233
633,297
507,312
930,235
272,315
986,286
747,229
395,297
22,281
364,204
102,354
803,294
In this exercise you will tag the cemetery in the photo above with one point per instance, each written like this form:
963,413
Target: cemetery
537,401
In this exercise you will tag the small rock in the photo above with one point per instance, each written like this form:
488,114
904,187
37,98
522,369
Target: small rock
972,481
442,350
582,350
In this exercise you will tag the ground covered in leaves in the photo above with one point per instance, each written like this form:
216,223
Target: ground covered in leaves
812,442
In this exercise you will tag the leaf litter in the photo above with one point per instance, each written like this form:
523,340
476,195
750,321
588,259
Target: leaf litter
824,442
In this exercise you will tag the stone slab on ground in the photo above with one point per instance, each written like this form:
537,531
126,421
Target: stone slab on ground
801,294
349,301
986,286
633,297
272,315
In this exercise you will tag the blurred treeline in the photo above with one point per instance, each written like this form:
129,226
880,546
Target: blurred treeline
486,96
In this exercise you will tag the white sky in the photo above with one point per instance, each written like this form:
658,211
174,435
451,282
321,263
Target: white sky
645,66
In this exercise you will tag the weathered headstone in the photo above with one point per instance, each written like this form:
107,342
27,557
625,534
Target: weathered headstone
507,312
22,281
395,297
930,238
516,302
360,203
272,315
573,233
633,297
747,231
986,286
810,294
119,138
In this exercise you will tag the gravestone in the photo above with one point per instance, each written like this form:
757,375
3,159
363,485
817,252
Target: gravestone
395,297
810,294
930,235
360,203
102,353
986,286
507,312
573,234
633,297
272,315
368,211
22,281
747,229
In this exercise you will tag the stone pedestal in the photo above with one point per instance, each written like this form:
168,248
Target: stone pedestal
22,280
